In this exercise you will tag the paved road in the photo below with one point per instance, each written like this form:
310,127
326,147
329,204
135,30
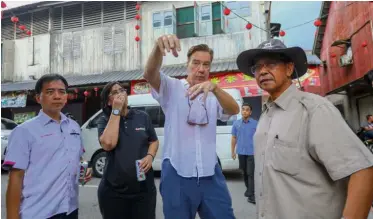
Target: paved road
88,206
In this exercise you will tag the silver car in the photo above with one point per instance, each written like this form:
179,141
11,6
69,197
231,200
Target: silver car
7,126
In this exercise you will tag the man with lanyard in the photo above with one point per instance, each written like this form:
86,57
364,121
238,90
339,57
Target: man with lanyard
191,179
242,135
308,162
44,156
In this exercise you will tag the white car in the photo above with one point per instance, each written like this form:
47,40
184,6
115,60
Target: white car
7,126
145,102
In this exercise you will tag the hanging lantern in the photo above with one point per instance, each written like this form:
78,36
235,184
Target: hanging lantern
249,26
282,33
22,27
317,23
137,17
28,32
137,7
364,44
76,90
95,89
227,11
3,5
137,27
137,38
86,93
14,19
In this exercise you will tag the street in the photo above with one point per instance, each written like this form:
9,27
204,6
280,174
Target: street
88,206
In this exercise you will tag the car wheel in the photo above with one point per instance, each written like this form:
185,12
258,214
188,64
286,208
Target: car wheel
98,164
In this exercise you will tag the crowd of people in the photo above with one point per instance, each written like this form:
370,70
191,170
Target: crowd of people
300,159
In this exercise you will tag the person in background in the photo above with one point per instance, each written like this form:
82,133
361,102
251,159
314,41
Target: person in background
43,157
242,136
368,127
127,135
191,178
308,162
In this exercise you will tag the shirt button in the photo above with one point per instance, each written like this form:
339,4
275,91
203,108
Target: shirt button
260,174
262,215
261,194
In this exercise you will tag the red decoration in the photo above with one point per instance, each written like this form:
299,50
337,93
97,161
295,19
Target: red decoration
28,32
137,7
14,19
3,5
95,89
317,23
86,93
137,27
249,26
22,27
137,17
227,11
333,55
137,38
76,90
282,33
364,44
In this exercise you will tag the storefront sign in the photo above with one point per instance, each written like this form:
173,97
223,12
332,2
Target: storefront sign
246,84
20,118
13,101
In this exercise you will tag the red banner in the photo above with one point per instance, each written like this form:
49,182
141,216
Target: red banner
246,84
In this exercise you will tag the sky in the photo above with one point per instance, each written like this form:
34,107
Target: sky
293,13
12,4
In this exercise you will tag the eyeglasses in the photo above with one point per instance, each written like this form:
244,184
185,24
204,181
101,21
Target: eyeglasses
197,112
269,65
119,91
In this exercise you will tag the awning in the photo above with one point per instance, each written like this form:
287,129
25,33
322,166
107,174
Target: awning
79,80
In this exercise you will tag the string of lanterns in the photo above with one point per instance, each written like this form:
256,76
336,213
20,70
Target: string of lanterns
137,27
15,21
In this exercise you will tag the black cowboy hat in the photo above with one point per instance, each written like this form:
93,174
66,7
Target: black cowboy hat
274,46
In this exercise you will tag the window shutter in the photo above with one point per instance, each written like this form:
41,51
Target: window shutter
40,22
113,11
72,16
92,13
130,10
7,29
57,18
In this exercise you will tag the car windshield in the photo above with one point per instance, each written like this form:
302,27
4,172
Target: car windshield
7,124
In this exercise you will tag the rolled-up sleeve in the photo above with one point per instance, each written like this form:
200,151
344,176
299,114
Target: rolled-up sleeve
18,150
234,129
335,145
165,89
222,116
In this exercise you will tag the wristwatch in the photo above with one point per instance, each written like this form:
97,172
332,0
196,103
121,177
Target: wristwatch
115,112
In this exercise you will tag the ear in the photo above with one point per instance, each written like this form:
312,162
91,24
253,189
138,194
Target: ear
289,69
37,98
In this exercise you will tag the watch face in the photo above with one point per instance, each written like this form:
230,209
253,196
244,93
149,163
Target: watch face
116,112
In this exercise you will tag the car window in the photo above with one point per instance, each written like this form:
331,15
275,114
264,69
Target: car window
93,123
7,124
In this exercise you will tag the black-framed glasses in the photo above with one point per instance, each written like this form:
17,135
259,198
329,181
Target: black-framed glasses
197,112
269,65
119,91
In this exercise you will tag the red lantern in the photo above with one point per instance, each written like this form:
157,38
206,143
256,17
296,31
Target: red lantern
86,93
137,7
333,55
137,27
28,32
76,90
3,5
282,33
137,38
14,19
317,23
364,44
137,17
22,27
249,26
95,89
227,11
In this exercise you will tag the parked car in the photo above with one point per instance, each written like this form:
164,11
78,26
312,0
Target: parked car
7,126
145,102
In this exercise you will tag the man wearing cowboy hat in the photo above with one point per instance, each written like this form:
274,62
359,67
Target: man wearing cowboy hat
309,163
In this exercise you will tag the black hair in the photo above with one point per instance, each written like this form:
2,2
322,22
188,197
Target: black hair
105,97
368,116
48,78
247,104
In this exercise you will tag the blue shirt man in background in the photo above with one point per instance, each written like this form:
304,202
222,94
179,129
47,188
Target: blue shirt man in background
44,156
242,135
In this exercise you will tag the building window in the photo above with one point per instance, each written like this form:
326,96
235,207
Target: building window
243,9
185,22
216,18
164,22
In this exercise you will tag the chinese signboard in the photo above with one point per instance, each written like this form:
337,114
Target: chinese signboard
13,101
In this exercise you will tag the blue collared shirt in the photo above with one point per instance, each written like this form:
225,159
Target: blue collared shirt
49,152
191,149
244,133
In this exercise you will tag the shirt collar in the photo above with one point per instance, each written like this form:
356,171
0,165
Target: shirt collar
283,101
243,121
45,119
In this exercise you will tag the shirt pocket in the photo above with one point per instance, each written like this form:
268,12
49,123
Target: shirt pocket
285,157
